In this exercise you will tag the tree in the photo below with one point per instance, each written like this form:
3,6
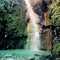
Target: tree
11,22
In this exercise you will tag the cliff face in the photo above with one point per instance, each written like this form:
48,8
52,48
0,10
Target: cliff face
41,9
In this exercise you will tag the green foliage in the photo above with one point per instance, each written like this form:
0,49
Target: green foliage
48,1
13,15
11,43
12,22
57,47
22,42
54,14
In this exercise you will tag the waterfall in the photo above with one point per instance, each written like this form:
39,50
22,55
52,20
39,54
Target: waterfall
33,40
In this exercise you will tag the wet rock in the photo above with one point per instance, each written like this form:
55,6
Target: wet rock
31,58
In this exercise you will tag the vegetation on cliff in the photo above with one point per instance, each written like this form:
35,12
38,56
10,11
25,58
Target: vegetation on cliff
54,15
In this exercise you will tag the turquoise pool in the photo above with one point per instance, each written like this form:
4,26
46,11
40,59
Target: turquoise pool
22,54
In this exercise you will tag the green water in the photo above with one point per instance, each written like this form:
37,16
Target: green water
22,54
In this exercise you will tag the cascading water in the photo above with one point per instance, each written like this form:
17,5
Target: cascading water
33,41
